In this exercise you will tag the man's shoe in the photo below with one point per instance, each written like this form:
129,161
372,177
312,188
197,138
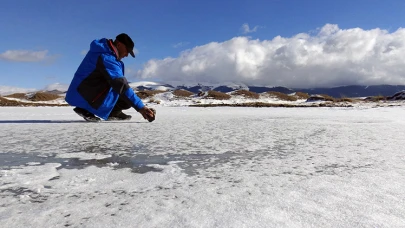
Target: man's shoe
119,116
88,116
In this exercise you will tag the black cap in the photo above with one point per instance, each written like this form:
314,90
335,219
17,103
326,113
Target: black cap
127,41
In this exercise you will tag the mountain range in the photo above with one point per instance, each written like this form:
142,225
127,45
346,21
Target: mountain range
337,92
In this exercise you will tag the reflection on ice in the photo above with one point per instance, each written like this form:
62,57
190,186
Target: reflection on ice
190,163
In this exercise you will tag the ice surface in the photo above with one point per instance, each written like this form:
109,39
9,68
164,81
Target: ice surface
204,167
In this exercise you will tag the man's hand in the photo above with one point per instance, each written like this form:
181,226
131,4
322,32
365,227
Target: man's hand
148,113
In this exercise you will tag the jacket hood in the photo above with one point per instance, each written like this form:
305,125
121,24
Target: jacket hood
100,46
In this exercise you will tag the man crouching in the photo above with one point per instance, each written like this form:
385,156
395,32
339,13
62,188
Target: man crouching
99,88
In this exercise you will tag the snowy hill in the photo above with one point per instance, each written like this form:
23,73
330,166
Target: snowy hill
204,94
163,96
146,85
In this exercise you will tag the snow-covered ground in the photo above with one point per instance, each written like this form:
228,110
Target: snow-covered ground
58,101
204,167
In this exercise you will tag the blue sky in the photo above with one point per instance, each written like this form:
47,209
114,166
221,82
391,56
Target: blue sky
54,34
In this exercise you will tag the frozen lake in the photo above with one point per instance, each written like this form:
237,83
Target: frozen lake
204,167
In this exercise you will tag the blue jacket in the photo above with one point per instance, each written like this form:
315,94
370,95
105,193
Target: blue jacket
99,81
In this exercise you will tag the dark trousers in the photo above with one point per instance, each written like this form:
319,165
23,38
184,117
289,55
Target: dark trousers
122,104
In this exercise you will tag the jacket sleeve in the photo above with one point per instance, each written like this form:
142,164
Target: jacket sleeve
114,74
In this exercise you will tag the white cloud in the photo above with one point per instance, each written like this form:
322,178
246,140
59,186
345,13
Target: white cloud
84,52
331,57
24,55
57,86
6,90
180,44
246,29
